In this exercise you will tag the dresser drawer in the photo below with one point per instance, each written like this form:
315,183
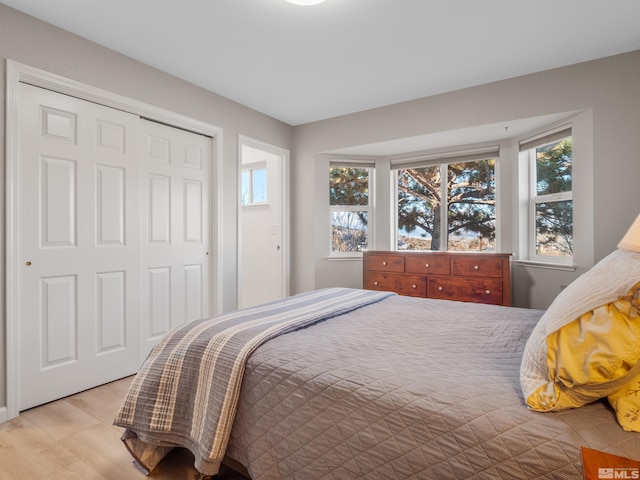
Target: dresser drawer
384,263
476,266
410,285
429,265
479,290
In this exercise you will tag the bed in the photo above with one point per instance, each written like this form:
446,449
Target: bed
382,386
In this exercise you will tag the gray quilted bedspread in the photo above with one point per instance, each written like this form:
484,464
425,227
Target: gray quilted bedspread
186,391
409,389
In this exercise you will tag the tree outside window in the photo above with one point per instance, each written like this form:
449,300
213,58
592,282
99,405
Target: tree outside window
349,205
455,214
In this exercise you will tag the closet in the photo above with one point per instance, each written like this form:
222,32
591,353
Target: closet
112,240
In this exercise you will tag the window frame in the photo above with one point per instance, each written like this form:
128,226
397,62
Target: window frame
443,160
528,148
369,208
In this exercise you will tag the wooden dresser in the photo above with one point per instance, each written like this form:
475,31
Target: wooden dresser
462,276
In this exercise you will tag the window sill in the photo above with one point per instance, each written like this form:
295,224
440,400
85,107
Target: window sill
345,258
549,266
255,206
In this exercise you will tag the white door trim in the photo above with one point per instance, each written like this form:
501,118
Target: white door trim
17,73
286,274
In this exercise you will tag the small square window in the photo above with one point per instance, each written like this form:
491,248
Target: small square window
254,186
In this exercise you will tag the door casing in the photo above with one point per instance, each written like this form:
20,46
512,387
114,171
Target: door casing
284,211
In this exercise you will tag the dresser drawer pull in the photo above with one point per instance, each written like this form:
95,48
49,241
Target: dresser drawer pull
488,292
375,283
440,288
476,267
426,265
384,263
414,286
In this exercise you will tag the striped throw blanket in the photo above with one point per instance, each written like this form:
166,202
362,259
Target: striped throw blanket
186,392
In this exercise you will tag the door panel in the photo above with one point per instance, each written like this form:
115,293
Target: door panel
192,211
78,245
58,342
58,204
159,207
110,311
110,203
175,254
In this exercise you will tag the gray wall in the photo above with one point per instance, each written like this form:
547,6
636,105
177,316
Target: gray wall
38,44
608,197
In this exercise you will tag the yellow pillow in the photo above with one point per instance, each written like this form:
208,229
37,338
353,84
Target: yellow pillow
597,355
600,305
626,403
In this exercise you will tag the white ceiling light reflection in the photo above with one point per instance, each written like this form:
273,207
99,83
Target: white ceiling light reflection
305,2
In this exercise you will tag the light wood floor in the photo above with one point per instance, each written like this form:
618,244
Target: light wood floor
74,438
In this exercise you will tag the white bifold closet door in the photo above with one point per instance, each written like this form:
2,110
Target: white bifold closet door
175,255
100,232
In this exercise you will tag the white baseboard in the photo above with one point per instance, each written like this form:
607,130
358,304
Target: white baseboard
4,414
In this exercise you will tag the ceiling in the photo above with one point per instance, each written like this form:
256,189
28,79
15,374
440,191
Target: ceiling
301,64
456,140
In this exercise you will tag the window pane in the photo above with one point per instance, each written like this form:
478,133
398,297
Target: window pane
259,185
419,204
553,167
349,231
475,234
554,229
471,222
348,186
